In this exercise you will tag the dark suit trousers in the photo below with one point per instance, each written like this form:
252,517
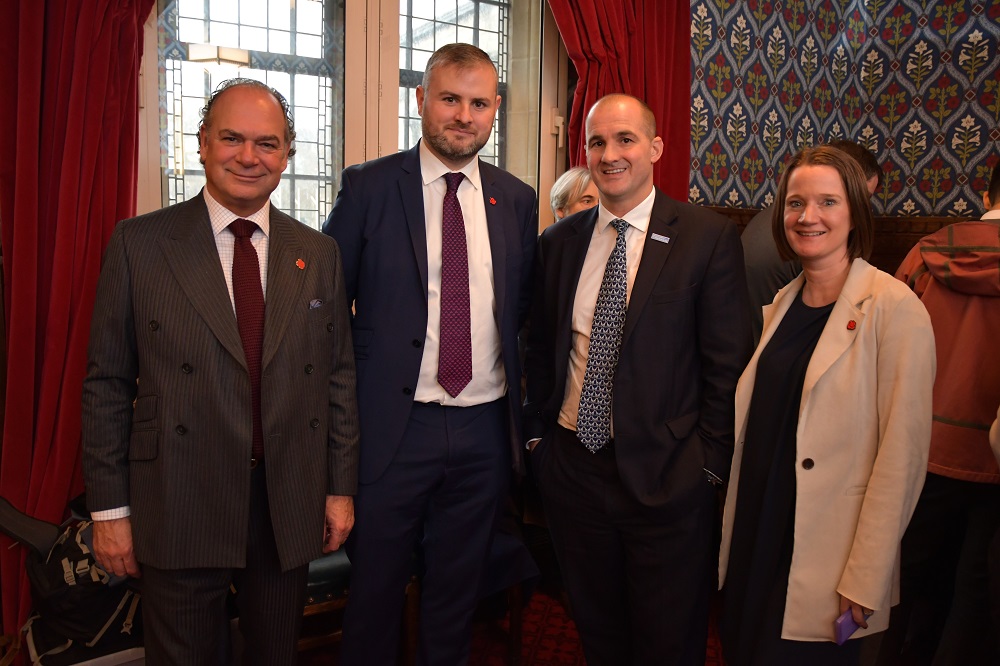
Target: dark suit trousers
184,610
440,491
639,578
944,612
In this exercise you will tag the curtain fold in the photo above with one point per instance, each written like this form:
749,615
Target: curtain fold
638,47
71,111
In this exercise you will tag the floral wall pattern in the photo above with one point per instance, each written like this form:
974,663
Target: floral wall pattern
915,81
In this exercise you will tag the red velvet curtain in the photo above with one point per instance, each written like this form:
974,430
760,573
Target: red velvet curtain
69,113
639,47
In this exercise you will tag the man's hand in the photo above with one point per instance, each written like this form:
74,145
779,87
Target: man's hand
113,547
339,521
858,612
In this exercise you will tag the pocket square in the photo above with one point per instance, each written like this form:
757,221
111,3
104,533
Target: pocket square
315,303
660,237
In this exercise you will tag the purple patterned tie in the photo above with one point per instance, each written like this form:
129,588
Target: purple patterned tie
249,299
455,351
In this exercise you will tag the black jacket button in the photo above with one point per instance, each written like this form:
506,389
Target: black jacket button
314,423
407,391
186,369
417,343
154,325
309,369
180,430
807,463
329,327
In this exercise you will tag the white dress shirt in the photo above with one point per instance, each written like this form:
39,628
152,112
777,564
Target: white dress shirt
601,245
489,382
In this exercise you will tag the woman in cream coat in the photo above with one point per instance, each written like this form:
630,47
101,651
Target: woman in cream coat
815,511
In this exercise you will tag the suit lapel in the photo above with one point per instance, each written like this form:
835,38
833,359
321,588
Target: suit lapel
654,255
569,278
495,206
839,334
284,281
193,257
411,191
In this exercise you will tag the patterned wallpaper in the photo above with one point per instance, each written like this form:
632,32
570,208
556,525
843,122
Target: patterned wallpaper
915,81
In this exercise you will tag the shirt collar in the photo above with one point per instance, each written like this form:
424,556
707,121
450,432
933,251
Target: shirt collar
432,168
992,214
221,217
638,217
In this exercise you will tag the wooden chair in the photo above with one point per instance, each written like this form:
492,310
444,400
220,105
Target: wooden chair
328,591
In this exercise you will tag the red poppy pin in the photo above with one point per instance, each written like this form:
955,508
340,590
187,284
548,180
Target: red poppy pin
493,202
301,264
851,325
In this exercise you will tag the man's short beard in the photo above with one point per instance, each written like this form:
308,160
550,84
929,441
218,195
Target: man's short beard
443,148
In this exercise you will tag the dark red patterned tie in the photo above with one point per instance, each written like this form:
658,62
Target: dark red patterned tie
455,351
249,298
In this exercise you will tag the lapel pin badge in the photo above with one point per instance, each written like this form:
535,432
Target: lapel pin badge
300,264
493,202
851,325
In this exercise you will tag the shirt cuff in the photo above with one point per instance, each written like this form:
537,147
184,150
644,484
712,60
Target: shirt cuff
111,514
532,443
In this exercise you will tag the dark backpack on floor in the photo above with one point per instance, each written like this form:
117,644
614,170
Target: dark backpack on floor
77,604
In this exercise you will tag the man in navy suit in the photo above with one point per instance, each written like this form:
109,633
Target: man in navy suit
628,450
436,317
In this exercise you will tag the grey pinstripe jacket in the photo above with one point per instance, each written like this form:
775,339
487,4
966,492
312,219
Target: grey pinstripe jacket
166,398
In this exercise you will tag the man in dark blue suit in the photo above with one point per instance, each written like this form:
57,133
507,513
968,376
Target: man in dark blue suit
437,249
639,331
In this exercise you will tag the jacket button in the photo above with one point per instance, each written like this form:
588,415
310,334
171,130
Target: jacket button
309,369
314,423
417,343
807,463
186,369
329,327
154,325
180,430
407,391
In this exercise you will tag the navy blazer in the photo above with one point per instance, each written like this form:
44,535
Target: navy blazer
687,339
378,221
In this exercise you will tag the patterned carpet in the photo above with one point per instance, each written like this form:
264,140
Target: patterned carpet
549,639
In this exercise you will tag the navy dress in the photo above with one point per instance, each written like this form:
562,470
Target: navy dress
763,526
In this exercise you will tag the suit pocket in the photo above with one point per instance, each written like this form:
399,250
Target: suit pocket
144,445
674,295
321,311
682,426
362,338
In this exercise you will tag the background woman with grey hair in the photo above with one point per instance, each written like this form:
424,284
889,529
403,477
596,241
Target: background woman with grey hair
572,192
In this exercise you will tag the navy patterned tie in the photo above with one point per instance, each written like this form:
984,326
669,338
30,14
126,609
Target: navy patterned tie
248,296
455,348
593,421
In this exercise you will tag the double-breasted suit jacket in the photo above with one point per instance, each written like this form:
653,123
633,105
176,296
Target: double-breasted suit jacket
864,426
378,221
686,339
165,336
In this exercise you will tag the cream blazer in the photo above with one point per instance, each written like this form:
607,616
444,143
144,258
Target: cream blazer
861,450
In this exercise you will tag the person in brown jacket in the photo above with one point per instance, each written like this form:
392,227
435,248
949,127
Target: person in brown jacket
944,577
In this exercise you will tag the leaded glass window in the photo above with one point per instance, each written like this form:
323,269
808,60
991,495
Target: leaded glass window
426,25
296,47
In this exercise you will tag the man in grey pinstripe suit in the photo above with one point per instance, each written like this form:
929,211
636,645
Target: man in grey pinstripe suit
168,408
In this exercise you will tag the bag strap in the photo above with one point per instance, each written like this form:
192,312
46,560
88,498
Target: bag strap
32,650
9,647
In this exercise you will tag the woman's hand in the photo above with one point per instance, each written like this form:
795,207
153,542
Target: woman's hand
858,612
